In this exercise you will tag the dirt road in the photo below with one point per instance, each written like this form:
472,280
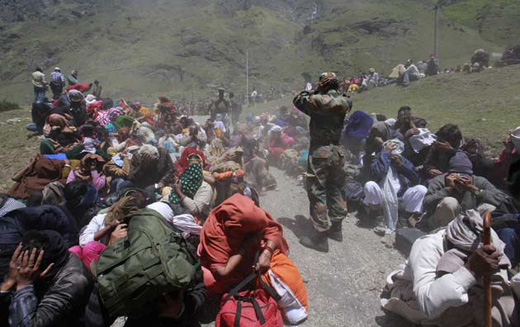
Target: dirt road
343,285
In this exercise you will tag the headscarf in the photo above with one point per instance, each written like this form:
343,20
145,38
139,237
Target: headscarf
399,146
465,234
56,121
227,228
183,163
83,172
383,129
53,194
123,134
191,180
125,207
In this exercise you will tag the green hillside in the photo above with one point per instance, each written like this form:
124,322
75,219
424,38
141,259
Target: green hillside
181,48
484,105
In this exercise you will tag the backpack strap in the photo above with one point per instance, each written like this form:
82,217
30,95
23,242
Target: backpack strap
269,289
240,286
238,314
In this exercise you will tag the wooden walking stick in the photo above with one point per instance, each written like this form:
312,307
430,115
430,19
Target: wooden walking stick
488,297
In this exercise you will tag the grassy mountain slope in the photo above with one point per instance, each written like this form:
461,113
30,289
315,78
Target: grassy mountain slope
179,48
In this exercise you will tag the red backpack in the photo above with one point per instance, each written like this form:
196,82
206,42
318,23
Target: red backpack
250,308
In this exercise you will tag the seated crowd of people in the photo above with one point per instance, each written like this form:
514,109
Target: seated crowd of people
401,175
143,213
110,171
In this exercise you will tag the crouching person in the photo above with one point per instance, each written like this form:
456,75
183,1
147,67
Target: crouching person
46,285
441,283
232,236
393,183
152,276
457,191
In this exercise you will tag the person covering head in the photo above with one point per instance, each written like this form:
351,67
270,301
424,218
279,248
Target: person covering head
57,69
372,70
55,250
461,164
75,96
125,207
328,80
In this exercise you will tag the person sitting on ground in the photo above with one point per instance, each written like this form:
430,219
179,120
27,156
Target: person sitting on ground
46,285
234,233
257,168
441,283
357,130
148,167
457,191
412,128
190,193
73,78
278,143
107,227
181,308
82,87
89,171
379,133
411,73
39,113
393,177
97,89
432,68
372,78
195,137
449,141
506,158
171,138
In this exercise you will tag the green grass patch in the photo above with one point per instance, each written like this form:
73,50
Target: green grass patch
6,105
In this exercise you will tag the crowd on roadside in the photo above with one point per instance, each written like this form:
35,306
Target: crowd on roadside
144,213
114,179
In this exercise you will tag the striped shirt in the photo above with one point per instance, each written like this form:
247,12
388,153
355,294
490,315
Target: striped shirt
57,77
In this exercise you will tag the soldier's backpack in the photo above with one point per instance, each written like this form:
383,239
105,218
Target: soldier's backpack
153,259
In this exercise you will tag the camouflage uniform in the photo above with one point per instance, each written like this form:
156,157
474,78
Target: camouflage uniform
325,174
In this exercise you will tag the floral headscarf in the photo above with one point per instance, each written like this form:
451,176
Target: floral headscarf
191,180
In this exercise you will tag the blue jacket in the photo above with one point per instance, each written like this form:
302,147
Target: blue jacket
406,172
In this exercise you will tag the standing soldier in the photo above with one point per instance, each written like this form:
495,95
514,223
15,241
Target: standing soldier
325,176
220,106
236,110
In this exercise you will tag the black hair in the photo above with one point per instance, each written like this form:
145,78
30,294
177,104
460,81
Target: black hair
404,108
450,133
380,117
33,239
38,69
513,180
96,82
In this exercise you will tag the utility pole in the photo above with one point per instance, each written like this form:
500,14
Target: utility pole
247,77
436,35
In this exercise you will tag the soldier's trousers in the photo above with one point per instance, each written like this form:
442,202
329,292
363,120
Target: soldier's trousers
325,180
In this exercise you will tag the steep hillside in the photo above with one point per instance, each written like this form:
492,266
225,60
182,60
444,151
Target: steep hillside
182,47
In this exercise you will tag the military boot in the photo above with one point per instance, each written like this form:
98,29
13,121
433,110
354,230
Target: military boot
335,232
318,241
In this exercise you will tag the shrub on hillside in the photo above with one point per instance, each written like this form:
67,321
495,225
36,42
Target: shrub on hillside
8,105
